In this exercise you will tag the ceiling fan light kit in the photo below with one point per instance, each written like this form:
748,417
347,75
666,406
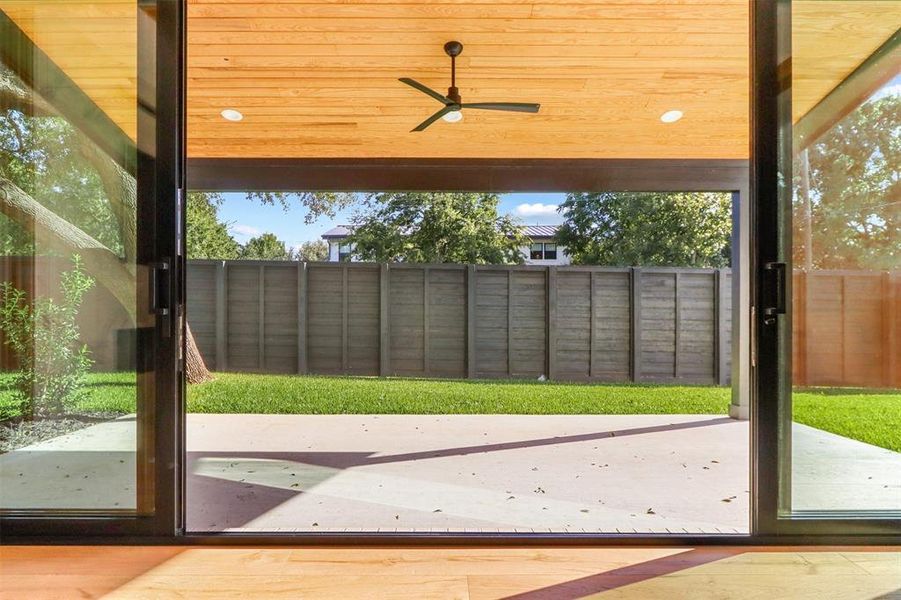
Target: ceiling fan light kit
453,103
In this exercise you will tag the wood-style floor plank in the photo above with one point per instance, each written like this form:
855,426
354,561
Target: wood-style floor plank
39,572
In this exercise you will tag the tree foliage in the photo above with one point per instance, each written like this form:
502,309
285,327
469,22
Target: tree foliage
855,192
42,156
207,236
313,251
44,336
435,227
647,229
266,247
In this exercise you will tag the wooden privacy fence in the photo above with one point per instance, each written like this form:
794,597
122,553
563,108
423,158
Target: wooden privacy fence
846,328
568,323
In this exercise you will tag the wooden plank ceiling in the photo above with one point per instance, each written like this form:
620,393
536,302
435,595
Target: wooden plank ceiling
319,78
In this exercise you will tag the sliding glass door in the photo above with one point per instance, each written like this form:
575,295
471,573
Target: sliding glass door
89,327
828,307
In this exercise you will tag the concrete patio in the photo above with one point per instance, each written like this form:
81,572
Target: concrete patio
471,473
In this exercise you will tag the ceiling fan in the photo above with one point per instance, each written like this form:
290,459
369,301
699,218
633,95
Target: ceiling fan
453,104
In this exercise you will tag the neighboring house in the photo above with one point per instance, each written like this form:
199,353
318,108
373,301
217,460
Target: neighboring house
542,250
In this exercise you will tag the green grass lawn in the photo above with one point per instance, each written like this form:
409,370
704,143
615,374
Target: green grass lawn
872,416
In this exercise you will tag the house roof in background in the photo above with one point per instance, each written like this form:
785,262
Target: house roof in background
533,231
337,232
540,231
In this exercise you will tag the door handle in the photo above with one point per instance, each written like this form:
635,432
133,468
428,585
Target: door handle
774,291
159,294
159,284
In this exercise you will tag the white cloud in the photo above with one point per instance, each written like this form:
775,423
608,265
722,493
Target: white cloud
536,210
889,90
245,230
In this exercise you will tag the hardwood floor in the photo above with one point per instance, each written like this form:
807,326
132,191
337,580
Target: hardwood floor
37,572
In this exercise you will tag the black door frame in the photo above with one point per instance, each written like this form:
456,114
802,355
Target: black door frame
158,165
771,243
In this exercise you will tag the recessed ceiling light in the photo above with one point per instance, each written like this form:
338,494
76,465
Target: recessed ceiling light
230,114
671,116
454,116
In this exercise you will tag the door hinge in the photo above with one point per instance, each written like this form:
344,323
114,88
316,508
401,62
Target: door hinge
180,208
753,331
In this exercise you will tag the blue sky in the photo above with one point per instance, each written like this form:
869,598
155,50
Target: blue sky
247,219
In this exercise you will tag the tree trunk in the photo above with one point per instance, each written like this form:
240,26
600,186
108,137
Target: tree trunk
195,369
101,263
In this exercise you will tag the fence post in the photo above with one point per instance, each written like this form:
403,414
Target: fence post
470,321
301,317
800,318
221,317
842,321
677,323
888,330
345,359
721,347
261,360
552,322
384,325
509,322
592,338
426,325
636,323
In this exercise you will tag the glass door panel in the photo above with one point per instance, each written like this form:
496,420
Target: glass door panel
80,252
842,427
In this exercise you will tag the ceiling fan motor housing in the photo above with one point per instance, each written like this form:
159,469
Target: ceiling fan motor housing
453,94
453,49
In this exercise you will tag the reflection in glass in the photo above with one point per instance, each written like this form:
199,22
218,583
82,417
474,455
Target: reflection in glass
846,251
67,263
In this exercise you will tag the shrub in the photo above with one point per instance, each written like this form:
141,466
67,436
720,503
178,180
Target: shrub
44,336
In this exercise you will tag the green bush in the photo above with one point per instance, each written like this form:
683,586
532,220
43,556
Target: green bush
44,336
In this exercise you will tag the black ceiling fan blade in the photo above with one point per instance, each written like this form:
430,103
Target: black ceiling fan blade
526,107
425,90
433,118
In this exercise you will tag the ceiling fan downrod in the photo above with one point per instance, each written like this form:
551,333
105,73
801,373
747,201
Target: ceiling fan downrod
453,49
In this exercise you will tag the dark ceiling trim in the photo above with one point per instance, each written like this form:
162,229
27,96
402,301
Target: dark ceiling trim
44,77
481,175
877,70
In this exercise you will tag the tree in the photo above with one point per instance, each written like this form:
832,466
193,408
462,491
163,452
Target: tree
266,247
313,251
58,186
436,227
647,229
207,237
854,192
89,201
